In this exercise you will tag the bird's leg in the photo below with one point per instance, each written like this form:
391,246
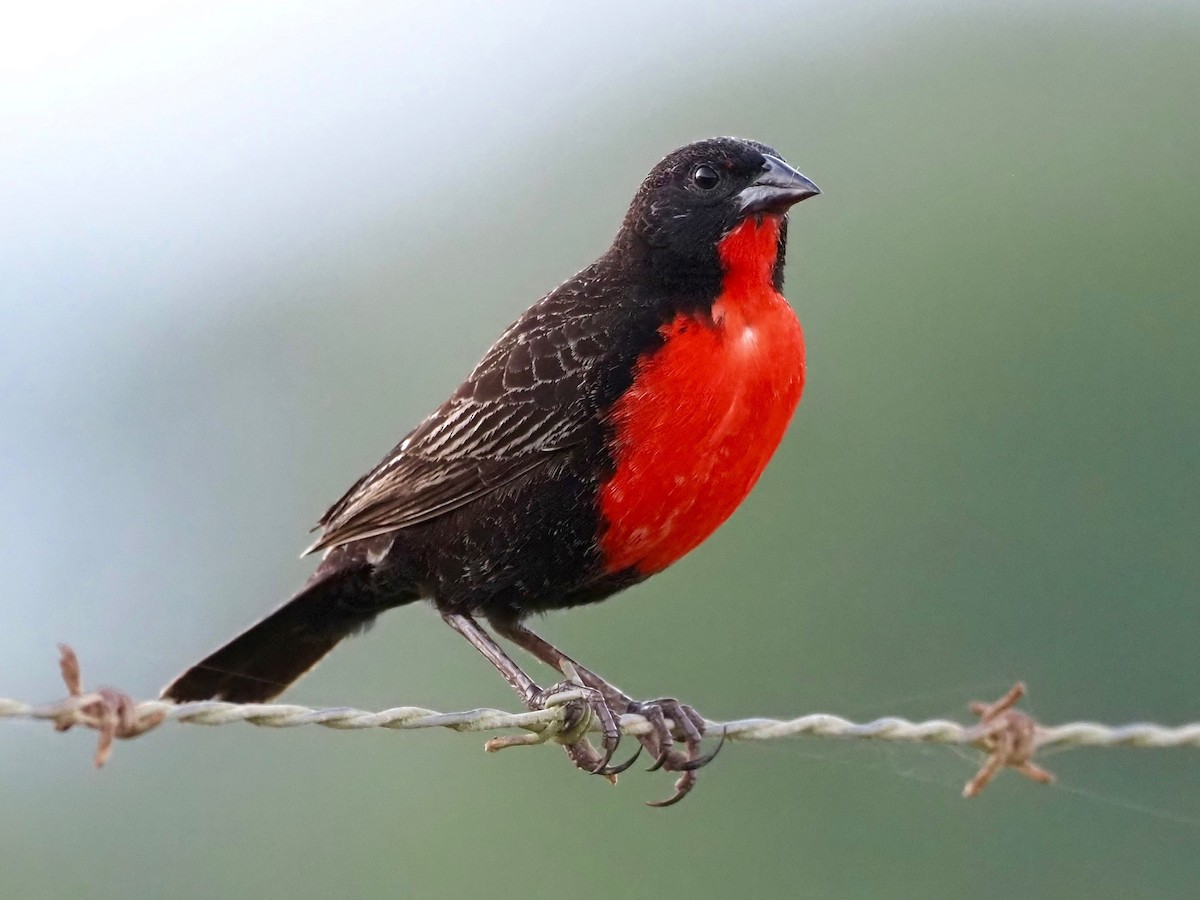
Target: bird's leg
526,687
660,740
582,753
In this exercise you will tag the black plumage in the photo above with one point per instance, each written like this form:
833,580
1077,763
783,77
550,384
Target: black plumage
490,505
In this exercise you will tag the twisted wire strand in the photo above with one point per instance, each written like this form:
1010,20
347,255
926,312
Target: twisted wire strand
1008,736
406,718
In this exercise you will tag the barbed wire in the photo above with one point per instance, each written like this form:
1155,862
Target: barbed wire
1008,736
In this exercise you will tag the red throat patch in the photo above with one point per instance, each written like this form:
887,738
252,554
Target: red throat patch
705,412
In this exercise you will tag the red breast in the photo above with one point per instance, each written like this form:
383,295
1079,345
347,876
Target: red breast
704,413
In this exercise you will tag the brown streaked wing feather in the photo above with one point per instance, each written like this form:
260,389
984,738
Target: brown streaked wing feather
526,401
415,492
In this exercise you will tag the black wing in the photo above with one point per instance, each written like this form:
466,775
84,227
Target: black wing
530,399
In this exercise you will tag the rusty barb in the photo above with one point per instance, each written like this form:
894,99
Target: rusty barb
112,713
1007,736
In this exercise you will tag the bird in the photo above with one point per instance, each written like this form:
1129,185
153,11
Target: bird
609,431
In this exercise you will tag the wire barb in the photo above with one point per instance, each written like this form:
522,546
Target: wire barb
1008,736
111,712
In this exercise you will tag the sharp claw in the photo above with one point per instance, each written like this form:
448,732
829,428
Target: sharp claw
663,804
692,764
670,801
608,770
609,749
682,787
662,758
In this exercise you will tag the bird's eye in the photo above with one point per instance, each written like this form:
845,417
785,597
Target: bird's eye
705,177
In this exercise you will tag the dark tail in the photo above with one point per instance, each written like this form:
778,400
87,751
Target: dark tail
263,660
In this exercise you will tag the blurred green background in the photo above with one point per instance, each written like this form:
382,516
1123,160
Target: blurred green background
246,247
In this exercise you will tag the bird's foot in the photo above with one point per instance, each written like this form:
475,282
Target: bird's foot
588,700
667,718
609,702
661,741
584,705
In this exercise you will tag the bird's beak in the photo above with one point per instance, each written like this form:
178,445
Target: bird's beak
775,189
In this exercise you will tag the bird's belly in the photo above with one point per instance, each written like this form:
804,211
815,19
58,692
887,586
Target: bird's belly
697,428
